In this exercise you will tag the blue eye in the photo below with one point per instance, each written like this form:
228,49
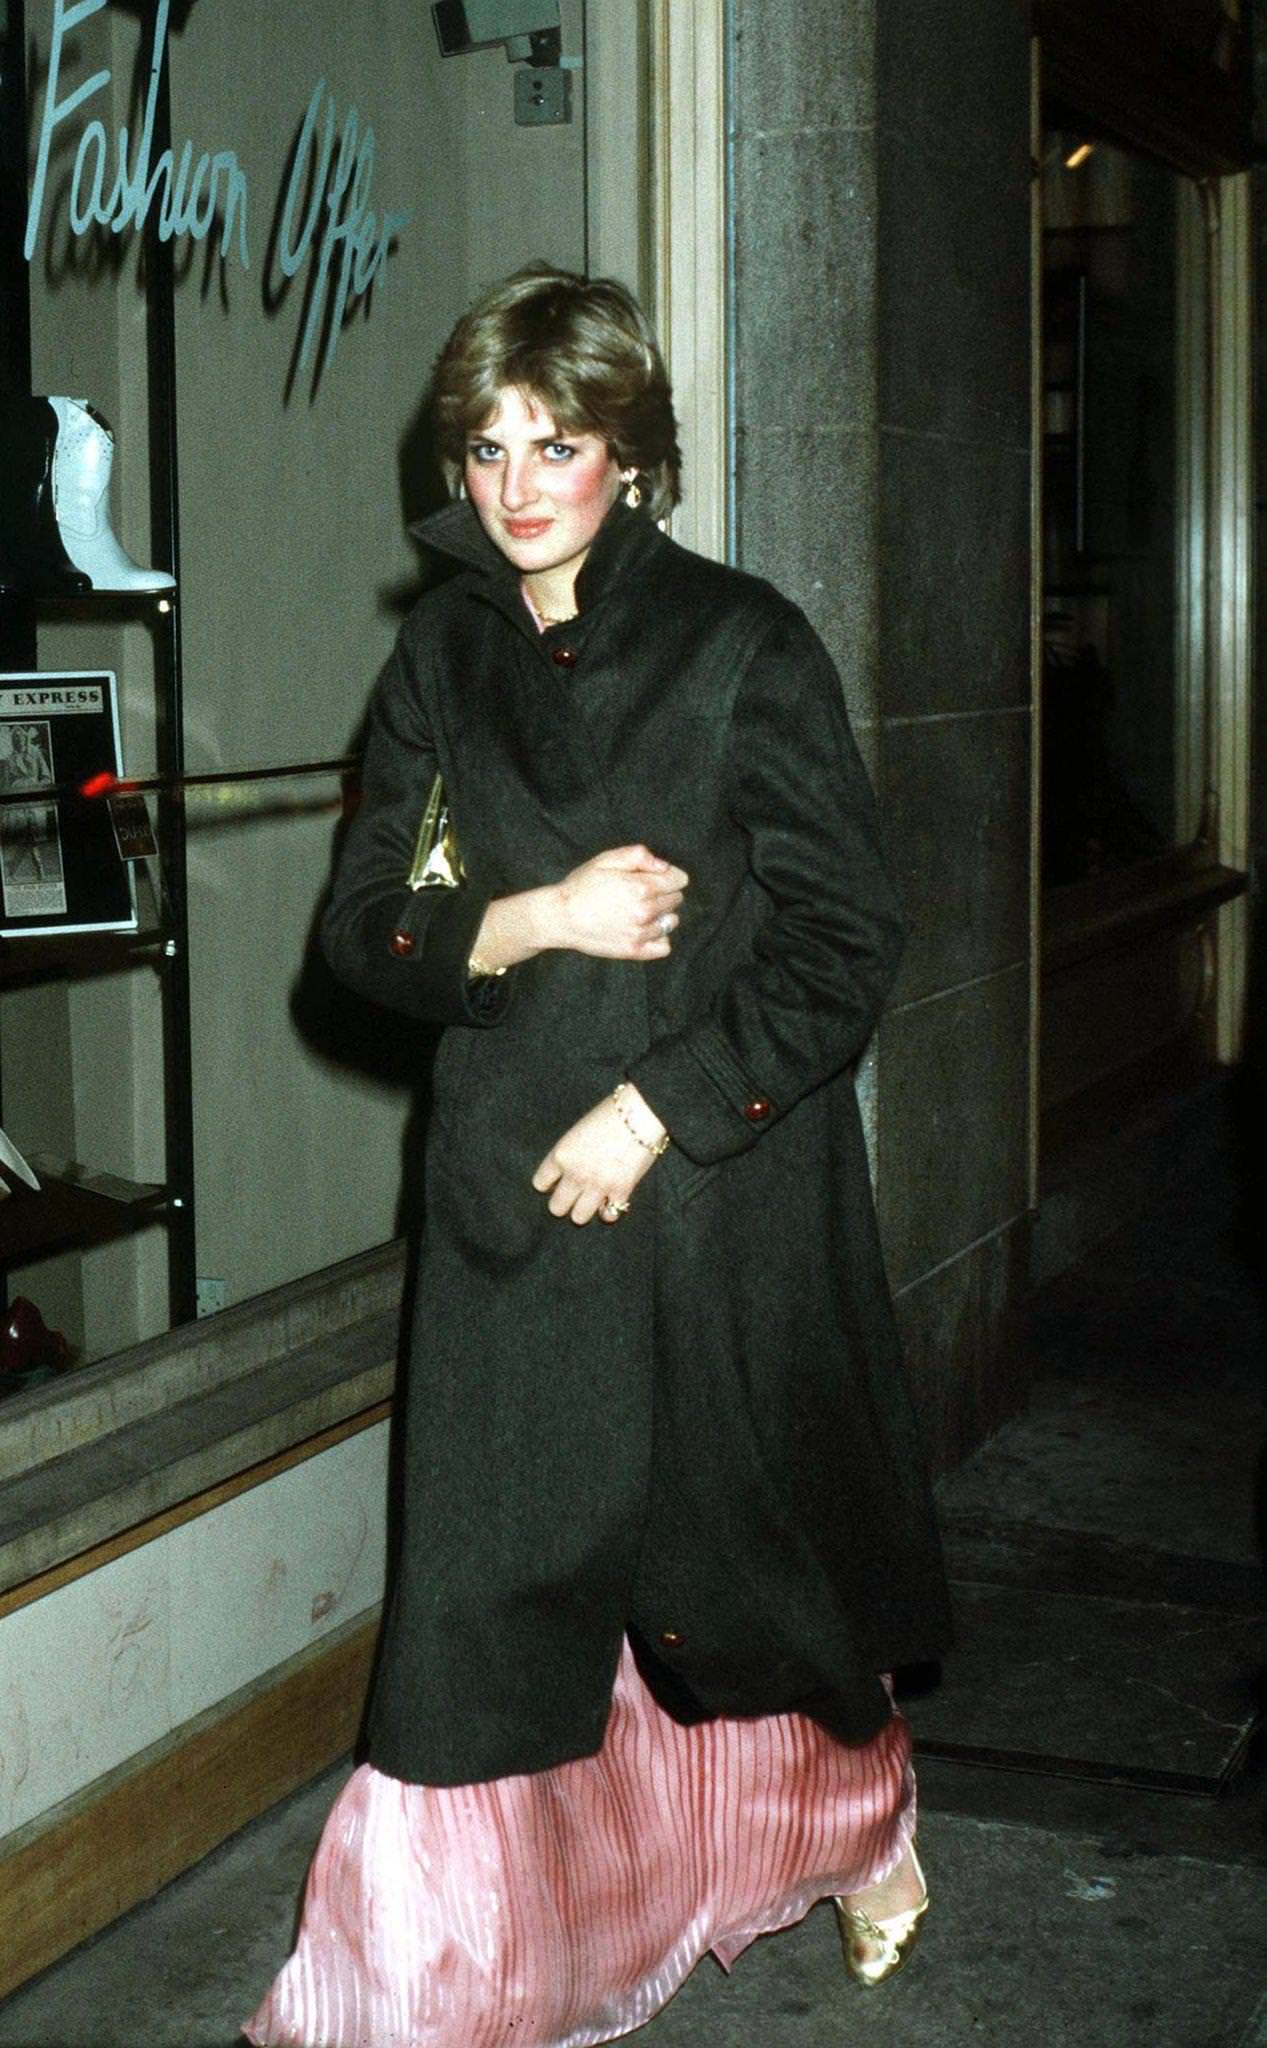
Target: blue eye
558,451
483,451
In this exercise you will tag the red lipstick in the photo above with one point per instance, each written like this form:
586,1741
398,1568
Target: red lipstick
525,529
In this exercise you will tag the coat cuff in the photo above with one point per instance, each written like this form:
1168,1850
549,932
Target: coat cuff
708,1105
420,943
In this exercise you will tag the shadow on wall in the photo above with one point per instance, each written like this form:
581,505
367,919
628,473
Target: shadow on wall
422,490
394,1052
346,1029
350,1032
1249,1112
1249,1148
338,1025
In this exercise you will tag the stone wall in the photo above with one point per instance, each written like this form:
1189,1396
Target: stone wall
882,281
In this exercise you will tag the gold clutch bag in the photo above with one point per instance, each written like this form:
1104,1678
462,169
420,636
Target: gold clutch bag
437,863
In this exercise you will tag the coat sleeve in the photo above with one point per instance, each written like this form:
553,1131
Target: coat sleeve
406,949
803,1004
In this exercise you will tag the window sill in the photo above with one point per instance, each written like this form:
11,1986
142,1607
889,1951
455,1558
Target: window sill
113,1445
1110,912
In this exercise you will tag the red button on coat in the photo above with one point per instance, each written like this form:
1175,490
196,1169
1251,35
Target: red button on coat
756,1112
564,657
402,944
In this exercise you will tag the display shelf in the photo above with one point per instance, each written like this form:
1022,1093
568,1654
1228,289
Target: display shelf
77,956
111,602
27,959
69,1212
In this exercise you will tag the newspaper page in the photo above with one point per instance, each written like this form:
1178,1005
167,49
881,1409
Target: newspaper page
60,869
31,867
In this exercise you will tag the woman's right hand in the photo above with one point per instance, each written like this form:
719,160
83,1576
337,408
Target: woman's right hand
613,904
610,906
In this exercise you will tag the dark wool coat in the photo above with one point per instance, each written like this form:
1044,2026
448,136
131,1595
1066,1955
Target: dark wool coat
690,1425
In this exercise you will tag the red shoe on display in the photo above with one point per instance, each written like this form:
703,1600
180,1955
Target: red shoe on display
28,1346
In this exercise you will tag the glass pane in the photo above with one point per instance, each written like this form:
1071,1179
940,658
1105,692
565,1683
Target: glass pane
303,456
1121,387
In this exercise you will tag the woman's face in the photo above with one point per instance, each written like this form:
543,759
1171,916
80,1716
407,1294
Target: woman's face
541,494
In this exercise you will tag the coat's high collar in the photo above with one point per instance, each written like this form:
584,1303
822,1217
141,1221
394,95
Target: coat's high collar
623,541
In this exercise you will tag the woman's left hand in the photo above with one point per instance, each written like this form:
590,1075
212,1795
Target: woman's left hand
598,1163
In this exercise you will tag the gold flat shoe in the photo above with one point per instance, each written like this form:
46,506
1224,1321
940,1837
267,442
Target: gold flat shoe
876,1948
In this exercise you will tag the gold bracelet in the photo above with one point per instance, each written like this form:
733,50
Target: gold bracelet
477,970
656,1146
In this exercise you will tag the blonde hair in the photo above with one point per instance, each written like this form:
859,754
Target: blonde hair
583,349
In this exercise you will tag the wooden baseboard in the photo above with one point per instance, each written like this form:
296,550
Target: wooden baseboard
70,1873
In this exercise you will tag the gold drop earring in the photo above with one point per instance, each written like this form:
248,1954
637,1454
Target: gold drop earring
633,490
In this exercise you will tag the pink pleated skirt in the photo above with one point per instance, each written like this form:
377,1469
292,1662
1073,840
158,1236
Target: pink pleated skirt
564,1908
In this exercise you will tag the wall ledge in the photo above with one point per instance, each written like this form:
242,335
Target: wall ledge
116,1444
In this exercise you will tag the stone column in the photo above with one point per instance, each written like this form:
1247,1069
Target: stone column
881,334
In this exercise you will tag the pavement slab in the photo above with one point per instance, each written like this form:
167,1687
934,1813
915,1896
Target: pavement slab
1058,1940
1134,1691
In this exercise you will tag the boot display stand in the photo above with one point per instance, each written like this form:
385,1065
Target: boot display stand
59,554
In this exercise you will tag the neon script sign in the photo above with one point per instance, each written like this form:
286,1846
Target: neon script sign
326,216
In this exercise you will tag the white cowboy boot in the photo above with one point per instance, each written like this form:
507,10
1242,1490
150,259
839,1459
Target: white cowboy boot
82,461
33,562
14,1166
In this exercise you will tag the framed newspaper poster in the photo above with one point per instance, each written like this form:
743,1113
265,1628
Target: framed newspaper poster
60,866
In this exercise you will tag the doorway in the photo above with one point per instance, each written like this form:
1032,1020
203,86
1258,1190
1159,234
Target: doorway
1143,489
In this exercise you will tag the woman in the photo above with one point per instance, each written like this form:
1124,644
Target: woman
665,1524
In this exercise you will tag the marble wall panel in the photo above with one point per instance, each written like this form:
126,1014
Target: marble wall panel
953,1138
807,508
802,70
953,289
882,307
804,269
956,799
953,566
963,1332
955,71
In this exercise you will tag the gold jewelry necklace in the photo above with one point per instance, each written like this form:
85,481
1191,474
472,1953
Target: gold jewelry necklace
544,618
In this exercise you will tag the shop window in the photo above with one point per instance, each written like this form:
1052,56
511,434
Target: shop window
1125,398
303,455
